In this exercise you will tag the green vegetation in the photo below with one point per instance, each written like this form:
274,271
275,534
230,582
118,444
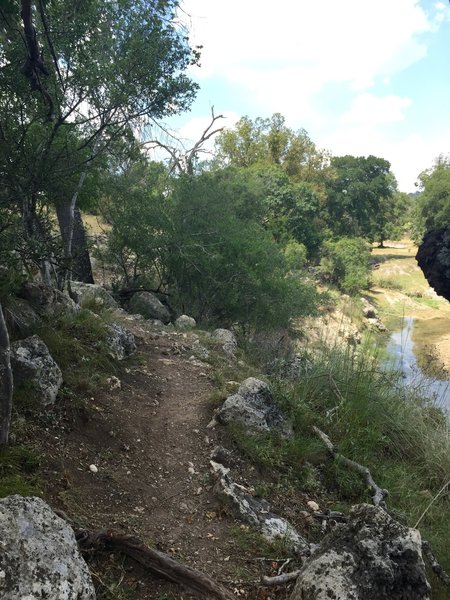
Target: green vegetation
345,263
202,239
360,197
77,344
235,241
433,205
399,435
18,467
252,541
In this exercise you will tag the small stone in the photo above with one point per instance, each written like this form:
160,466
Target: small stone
191,470
93,469
313,505
114,383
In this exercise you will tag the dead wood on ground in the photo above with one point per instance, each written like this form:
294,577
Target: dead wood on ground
157,562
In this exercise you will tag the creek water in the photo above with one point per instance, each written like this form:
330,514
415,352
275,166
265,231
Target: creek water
400,349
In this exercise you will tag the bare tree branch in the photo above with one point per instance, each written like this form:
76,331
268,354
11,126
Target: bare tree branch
6,382
280,579
379,494
34,68
183,159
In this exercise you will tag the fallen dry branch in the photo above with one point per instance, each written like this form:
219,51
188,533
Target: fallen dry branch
379,494
279,579
428,553
157,562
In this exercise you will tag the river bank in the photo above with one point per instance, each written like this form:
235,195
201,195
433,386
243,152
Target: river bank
401,291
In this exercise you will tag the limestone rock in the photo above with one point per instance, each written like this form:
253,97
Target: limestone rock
148,305
92,292
227,338
376,324
47,301
199,350
21,317
185,322
120,341
256,512
222,455
433,257
293,367
372,557
253,407
39,557
32,364
369,311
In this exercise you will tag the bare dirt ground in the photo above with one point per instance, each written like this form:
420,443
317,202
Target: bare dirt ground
148,437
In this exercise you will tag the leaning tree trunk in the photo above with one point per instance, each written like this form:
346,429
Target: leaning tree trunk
6,382
75,243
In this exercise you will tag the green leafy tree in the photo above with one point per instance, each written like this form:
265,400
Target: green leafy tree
359,197
292,210
433,204
134,205
270,141
345,263
202,240
76,78
224,266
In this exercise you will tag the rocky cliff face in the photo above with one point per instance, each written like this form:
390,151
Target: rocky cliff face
433,257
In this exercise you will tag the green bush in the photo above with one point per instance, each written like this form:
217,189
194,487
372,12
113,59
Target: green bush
202,239
296,255
223,265
345,263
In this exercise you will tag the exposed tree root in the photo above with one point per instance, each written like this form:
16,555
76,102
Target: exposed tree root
157,562
428,553
379,494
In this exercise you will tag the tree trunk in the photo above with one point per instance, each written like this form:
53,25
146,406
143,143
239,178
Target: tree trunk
6,382
74,240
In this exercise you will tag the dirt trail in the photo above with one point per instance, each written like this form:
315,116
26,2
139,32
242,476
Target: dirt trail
151,445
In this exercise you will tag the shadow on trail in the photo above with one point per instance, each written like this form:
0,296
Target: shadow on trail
385,257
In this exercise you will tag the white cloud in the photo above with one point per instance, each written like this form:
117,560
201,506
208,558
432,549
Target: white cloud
367,109
257,43
292,55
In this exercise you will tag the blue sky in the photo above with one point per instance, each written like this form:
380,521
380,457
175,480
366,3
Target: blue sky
362,77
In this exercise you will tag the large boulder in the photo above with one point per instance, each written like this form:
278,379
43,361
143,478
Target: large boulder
371,557
39,557
91,292
120,341
433,257
33,365
254,408
148,305
185,322
227,339
47,301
